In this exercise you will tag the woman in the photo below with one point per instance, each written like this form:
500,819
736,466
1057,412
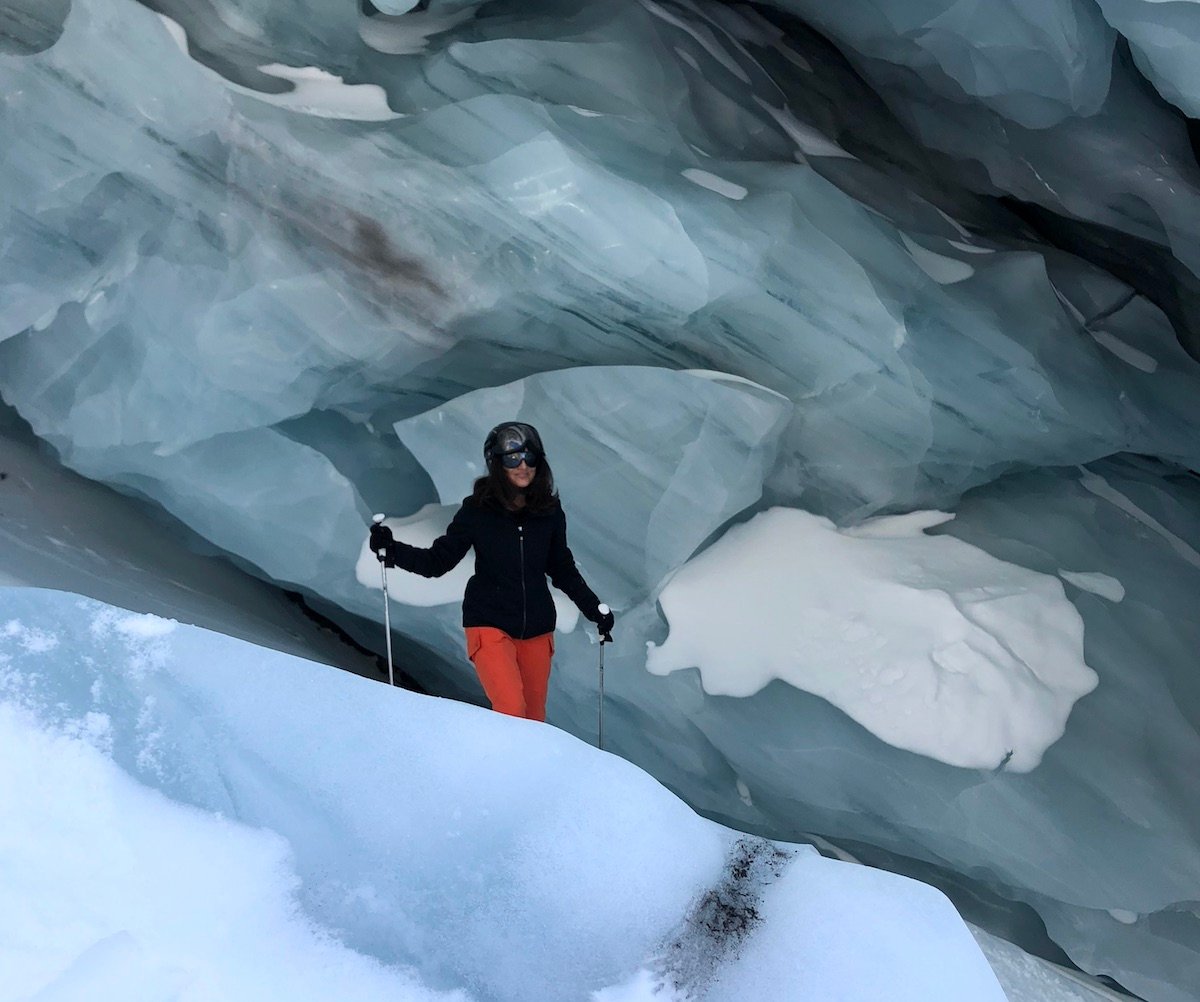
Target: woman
516,524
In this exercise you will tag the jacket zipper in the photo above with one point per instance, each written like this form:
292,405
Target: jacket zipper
524,605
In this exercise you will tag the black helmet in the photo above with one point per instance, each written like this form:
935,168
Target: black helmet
512,436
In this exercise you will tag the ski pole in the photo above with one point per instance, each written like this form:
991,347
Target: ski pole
600,727
387,612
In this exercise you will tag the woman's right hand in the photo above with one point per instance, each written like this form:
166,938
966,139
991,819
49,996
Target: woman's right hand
381,540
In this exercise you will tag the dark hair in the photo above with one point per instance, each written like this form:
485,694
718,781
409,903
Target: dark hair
494,488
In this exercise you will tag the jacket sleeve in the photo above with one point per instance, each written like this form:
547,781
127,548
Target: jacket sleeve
441,556
565,575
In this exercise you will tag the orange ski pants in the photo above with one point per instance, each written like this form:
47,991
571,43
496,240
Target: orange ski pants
515,673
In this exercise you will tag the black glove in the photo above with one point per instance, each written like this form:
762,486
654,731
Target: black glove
605,624
382,539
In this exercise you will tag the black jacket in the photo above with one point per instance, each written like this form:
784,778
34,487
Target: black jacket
514,551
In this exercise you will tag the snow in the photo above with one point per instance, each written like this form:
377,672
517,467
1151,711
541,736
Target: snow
928,642
396,6
808,140
325,95
223,307
967,248
418,529
306,834
144,625
125,894
1104,585
714,183
314,91
833,903
942,269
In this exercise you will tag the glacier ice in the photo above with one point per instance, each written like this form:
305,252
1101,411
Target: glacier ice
1034,61
28,26
59,529
646,436
1030,101
931,645
950,264
429,851
1165,39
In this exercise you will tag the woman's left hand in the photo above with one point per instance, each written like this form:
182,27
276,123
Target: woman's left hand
605,624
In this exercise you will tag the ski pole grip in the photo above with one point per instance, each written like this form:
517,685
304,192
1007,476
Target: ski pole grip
604,637
377,519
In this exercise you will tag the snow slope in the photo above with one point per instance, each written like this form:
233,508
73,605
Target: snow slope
184,815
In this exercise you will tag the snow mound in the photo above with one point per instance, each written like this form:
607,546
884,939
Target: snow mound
928,642
184,815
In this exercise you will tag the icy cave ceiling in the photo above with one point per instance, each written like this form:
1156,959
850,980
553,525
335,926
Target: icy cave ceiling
273,265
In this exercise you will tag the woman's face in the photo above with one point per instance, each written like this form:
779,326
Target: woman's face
521,477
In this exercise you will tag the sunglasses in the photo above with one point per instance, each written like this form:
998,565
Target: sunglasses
511,460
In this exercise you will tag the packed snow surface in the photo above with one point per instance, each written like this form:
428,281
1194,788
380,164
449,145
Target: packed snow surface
930,643
184,815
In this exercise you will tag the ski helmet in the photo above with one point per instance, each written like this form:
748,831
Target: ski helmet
512,436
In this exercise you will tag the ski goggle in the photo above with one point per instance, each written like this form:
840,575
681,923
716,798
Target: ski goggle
511,460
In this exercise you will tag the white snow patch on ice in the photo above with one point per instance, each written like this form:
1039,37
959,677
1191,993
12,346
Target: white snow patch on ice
31,640
967,248
409,35
395,6
175,30
1103,585
1125,352
731,379
943,270
963,231
930,643
314,91
714,183
325,95
808,140
419,529
145,626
